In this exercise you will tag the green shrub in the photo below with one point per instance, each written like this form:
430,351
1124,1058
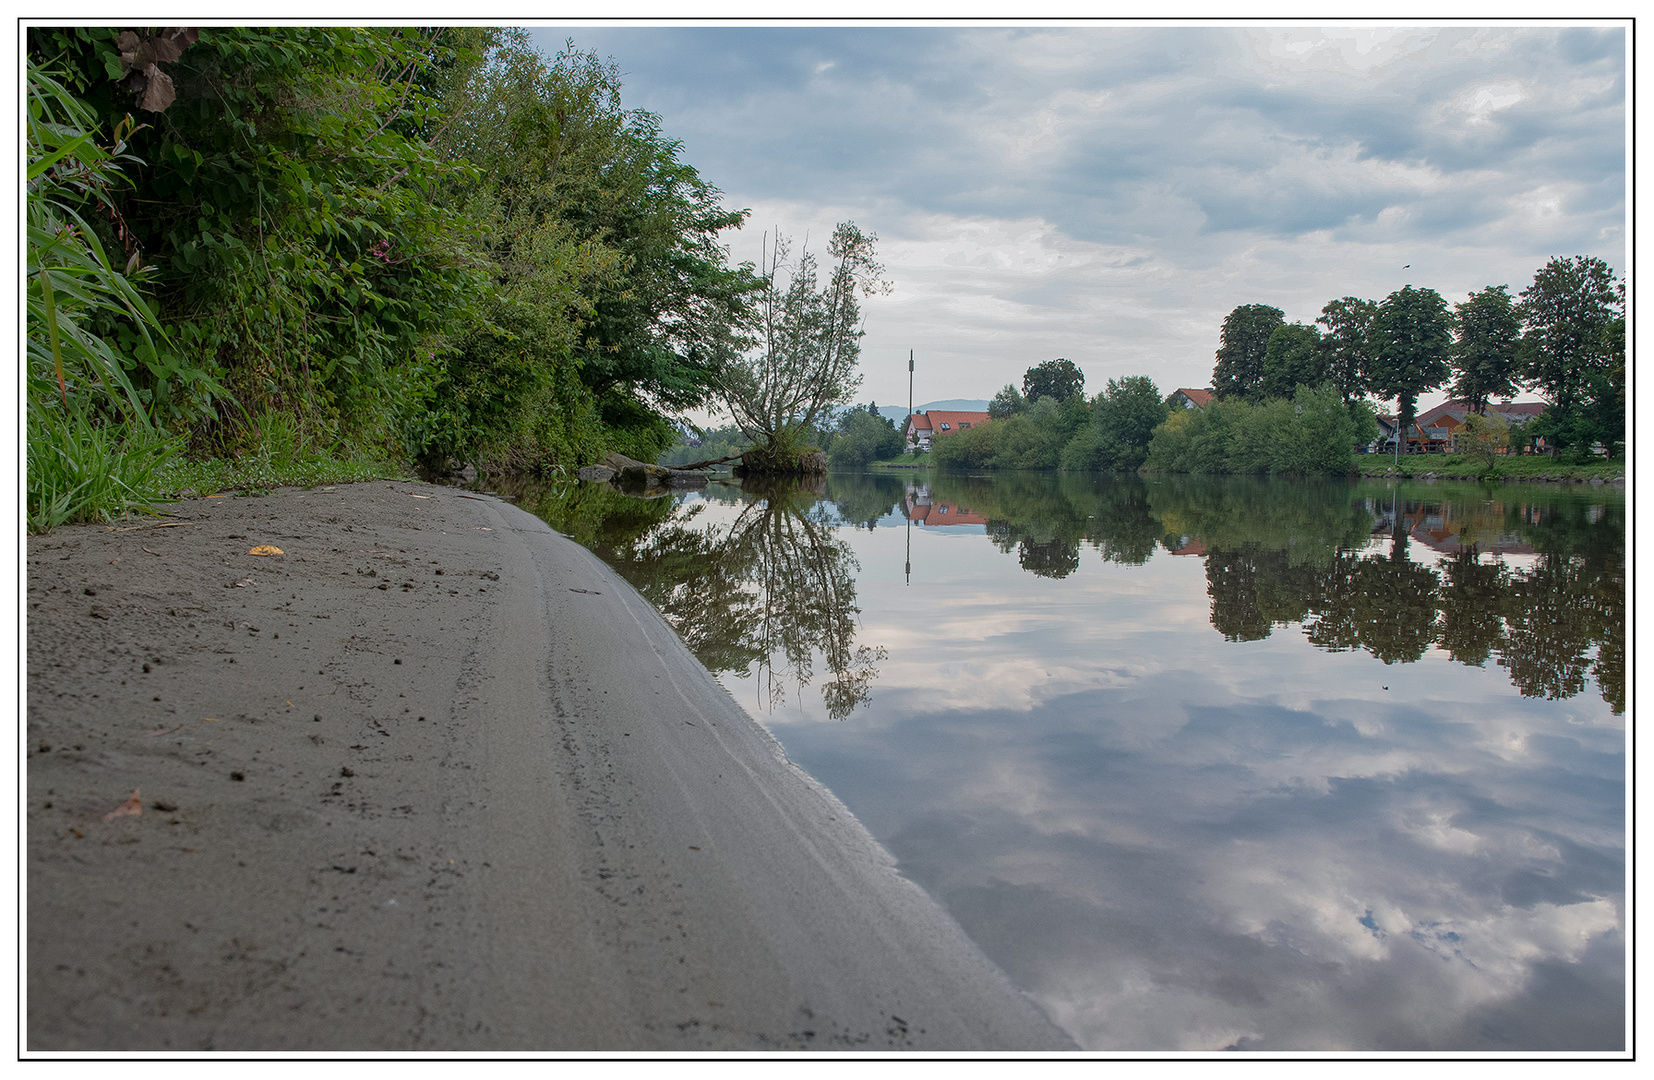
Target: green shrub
1311,434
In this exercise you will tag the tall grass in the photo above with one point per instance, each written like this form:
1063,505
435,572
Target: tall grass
93,452
79,470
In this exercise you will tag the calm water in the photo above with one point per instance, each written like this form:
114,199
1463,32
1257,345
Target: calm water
1201,764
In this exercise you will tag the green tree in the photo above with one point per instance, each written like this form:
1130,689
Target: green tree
1008,402
1244,340
1058,379
1413,332
809,342
290,207
1320,439
1123,420
1313,433
863,437
1573,318
1292,358
602,236
1484,350
1029,440
1347,344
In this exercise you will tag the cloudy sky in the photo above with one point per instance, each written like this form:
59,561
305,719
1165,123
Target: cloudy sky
1109,193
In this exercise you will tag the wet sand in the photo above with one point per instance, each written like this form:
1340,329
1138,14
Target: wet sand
435,778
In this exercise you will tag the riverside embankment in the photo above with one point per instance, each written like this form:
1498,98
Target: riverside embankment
434,778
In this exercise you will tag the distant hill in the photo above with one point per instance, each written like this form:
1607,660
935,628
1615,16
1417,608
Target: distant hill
898,413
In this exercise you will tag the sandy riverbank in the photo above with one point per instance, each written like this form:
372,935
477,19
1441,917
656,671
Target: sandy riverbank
435,778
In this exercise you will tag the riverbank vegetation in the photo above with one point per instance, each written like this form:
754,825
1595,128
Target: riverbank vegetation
383,244
1295,399
1562,337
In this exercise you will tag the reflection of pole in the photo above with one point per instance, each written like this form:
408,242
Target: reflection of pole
909,516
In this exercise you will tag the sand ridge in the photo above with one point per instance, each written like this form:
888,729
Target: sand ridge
435,778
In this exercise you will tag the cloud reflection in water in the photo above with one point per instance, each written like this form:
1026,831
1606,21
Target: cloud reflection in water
1174,837
1177,842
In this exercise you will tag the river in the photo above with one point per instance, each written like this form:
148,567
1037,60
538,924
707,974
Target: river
1202,764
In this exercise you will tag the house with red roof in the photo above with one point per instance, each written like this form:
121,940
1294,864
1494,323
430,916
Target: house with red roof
1185,398
924,427
1435,430
928,513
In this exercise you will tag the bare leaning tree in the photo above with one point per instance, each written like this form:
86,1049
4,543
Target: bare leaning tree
808,342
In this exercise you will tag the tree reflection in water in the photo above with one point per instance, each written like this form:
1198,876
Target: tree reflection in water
1337,560
765,593
1531,578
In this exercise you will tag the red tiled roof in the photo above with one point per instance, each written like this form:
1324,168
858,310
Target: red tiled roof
918,421
1428,418
1201,398
1458,410
953,419
944,514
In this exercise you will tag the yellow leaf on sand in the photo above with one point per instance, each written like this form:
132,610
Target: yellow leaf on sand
132,806
266,549
209,719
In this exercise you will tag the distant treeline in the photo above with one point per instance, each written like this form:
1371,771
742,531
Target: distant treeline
1051,424
1562,337
1296,399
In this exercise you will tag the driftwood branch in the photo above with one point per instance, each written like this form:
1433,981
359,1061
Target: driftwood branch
709,462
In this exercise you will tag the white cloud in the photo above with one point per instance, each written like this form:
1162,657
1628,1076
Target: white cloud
1109,194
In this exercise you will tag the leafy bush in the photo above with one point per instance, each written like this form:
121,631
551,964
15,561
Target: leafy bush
1313,433
863,437
1123,420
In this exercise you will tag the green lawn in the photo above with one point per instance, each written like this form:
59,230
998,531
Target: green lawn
1519,467
906,461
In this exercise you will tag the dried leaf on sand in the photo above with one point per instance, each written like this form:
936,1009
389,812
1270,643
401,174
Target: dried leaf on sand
133,806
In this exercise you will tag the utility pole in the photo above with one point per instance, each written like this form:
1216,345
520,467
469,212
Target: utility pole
909,515
910,389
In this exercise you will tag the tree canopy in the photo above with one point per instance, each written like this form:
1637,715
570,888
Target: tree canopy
1059,379
808,342
1414,334
1484,353
432,242
1292,358
1244,342
1347,344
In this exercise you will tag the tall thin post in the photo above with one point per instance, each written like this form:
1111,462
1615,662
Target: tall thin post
908,513
910,391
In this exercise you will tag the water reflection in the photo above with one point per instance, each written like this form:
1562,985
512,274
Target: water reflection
1206,765
1335,560
766,589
